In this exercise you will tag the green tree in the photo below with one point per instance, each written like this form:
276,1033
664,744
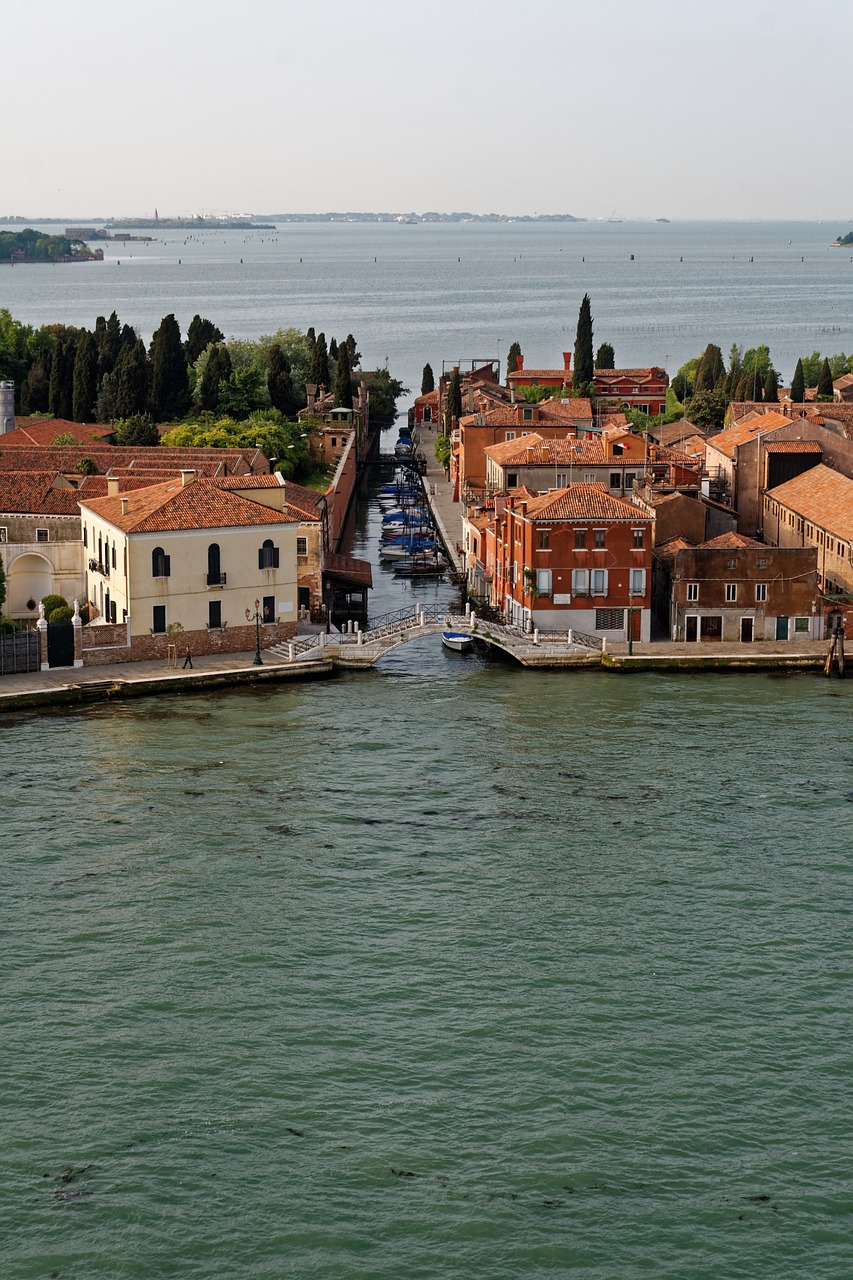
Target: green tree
771,388
242,393
512,359
825,390
61,395
280,382
86,467
342,386
217,369
169,392
131,381
137,431
534,394
384,392
680,387
333,349
811,368
605,357
63,613
35,389
584,368
706,409
735,370
757,360
354,353
710,370
85,378
798,384
53,601
200,334
454,398
442,450
427,380
108,341
319,373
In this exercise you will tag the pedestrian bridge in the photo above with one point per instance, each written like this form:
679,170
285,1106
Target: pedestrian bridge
358,648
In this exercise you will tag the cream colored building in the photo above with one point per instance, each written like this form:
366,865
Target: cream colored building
193,552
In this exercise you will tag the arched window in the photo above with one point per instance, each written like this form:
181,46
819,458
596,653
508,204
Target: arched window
268,555
214,567
160,563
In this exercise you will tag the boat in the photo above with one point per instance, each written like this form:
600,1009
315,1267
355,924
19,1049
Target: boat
405,550
458,640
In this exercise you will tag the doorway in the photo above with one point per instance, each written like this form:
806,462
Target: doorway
691,628
746,630
781,628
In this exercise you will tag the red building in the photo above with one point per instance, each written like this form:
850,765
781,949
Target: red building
643,389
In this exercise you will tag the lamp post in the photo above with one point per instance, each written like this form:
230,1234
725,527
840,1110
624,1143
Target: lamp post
256,661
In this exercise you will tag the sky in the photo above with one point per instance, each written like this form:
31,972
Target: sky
634,108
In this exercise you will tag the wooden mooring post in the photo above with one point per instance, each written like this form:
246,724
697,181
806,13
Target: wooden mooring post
835,654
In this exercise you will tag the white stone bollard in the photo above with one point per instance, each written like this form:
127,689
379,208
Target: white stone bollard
535,635
571,636
359,636
290,653
604,644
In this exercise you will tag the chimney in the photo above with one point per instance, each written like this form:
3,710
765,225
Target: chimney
112,486
187,477
567,361
520,364
124,506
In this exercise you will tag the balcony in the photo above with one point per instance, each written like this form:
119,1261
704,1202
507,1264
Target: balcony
216,579
96,566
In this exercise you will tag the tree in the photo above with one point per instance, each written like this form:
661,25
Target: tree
680,387
333,349
798,384
771,388
319,373
108,342
427,380
280,382
825,389
384,392
535,394
35,389
200,334
605,357
61,395
138,431
454,399
86,467
710,370
169,392
131,381
757,360
243,393
85,378
584,368
706,409
354,353
217,369
342,386
512,359
811,368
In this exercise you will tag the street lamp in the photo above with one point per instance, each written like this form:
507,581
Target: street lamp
256,661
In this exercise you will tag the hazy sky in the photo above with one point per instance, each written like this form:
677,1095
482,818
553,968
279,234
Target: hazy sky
643,108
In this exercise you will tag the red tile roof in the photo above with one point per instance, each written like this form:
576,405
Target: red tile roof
535,451
41,432
726,442
728,541
203,504
583,502
793,446
822,496
107,457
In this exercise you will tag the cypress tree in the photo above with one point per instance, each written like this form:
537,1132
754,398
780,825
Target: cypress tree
85,378
354,353
35,389
319,374
333,349
825,390
217,369
108,340
513,357
454,400
744,388
584,368
798,384
200,334
605,357
710,369
137,431
61,394
427,380
342,388
131,381
169,389
771,388
280,381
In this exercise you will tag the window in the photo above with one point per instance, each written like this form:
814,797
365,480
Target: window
599,541
214,615
85,536
113,555
509,435
762,564
562,479
159,616
731,592
599,582
268,609
42,535
544,539
580,539
302,546
637,537
580,582
801,626
160,563
761,592
543,581
630,477
125,559
214,566
512,479
427,414
609,619
693,591
638,582
113,611
615,479
514,572
527,415
268,555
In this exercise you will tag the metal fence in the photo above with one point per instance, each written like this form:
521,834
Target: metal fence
20,651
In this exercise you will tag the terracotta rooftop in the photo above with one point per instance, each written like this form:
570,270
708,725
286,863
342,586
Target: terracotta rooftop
203,504
41,432
348,569
583,502
822,496
728,542
652,374
107,457
551,413
793,446
50,494
667,551
536,451
746,429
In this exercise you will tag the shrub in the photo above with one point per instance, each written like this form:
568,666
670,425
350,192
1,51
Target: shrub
64,613
53,602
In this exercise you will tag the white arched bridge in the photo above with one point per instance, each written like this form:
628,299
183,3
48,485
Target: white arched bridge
358,648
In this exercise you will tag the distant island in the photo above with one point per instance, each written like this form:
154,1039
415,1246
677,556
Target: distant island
34,246
430,216
843,240
105,227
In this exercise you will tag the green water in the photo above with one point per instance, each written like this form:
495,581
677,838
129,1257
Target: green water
571,950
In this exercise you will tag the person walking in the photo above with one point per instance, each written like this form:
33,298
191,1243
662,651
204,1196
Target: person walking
188,659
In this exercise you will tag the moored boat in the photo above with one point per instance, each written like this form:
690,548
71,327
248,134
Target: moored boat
460,641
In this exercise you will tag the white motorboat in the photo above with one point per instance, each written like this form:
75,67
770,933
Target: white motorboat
458,640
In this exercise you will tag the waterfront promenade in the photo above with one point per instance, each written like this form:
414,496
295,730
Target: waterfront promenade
439,490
